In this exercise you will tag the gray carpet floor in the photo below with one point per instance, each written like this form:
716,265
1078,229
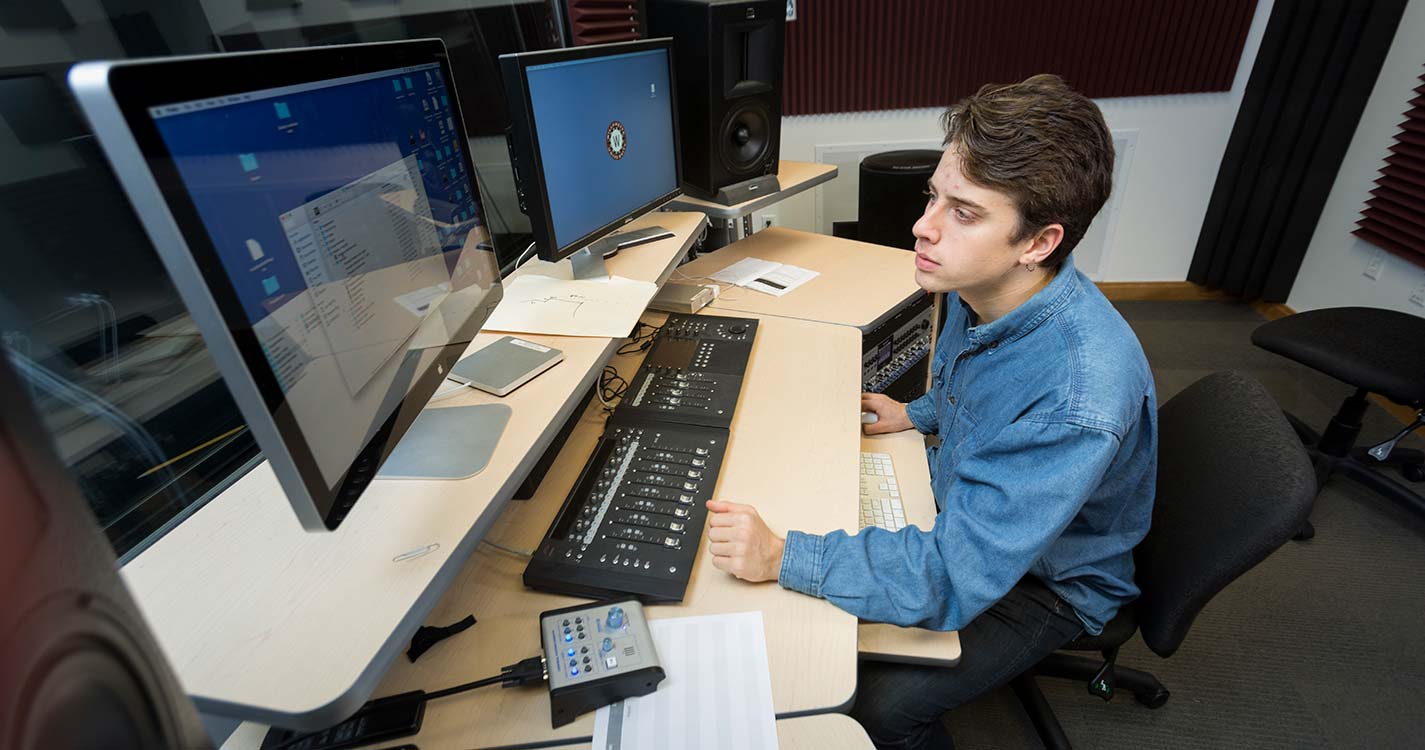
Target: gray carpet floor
1320,646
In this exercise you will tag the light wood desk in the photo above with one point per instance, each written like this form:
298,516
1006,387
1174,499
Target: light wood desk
859,283
879,641
263,620
788,453
792,176
819,732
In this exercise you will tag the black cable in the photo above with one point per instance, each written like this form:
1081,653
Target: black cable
466,686
640,340
522,672
525,672
611,386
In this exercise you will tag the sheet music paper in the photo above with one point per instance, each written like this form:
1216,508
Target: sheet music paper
561,307
717,696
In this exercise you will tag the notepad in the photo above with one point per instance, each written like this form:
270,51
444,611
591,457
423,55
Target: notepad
718,693
505,365
765,276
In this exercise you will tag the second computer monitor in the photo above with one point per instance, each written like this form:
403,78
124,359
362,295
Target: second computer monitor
594,138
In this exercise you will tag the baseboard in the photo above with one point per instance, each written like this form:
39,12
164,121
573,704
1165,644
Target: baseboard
1186,291
1159,291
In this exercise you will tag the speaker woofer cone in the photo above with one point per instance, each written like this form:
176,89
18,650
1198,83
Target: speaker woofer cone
85,680
746,135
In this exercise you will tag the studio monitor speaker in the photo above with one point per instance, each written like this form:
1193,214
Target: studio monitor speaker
728,55
891,196
78,666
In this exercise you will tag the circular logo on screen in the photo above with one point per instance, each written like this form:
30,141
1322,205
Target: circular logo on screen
616,140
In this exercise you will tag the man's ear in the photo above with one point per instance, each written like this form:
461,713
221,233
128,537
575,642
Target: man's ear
1042,244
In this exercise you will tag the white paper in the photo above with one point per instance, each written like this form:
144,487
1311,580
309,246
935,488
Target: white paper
744,271
717,695
560,307
754,273
784,279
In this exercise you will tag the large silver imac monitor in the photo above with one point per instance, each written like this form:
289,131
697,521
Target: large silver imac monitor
317,211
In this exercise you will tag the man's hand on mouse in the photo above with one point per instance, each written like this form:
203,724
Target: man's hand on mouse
890,414
741,543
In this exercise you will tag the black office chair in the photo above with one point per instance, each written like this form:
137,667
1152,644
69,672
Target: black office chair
1377,351
1234,484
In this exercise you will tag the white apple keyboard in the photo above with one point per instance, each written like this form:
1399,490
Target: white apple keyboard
880,495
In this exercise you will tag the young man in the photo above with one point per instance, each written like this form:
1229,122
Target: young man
1045,412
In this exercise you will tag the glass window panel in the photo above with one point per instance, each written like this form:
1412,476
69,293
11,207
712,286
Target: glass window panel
87,314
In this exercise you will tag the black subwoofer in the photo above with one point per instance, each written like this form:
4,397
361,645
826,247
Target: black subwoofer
891,196
728,55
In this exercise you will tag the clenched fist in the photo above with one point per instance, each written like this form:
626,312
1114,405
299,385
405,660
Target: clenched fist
741,543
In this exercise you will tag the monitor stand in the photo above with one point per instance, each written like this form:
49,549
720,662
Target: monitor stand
455,442
588,263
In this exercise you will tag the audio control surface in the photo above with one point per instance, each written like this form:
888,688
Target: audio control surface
693,373
634,519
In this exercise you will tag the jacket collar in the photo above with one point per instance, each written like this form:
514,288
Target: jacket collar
1025,318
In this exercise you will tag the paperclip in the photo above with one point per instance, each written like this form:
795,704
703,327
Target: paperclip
415,553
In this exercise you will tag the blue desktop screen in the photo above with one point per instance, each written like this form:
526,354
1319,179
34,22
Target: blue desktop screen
605,137
250,159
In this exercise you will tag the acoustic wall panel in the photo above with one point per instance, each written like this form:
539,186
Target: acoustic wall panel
852,55
604,21
1394,217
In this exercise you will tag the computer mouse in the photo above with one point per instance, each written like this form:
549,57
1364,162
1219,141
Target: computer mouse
869,417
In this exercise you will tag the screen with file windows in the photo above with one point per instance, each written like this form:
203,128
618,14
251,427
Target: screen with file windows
345,219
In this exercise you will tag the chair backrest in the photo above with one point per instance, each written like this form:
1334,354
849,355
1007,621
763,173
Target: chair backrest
1234,484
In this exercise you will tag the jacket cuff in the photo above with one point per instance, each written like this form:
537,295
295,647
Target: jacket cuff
922,414
801,563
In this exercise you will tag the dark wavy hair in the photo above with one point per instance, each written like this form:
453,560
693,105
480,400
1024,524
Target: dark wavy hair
1043,144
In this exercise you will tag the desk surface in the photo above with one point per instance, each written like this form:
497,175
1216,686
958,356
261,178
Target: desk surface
879,641
858,285
820,732
263,620
801,472
792,176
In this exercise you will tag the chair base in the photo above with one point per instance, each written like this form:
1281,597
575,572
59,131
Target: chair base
1334,452
1146,689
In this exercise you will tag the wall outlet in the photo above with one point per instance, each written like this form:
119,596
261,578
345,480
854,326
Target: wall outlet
767,220
1418,296
1373,267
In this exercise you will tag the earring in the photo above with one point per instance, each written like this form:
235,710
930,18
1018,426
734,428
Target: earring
1029,267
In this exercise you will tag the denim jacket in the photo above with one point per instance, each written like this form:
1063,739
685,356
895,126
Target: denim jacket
1047,463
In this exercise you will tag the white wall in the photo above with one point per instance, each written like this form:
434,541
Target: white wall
1180,141
1333,272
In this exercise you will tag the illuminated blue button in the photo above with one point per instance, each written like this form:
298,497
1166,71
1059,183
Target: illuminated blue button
571,652
608,644
574,672
568,637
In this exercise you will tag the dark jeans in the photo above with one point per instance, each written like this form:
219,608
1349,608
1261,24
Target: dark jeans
900,705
